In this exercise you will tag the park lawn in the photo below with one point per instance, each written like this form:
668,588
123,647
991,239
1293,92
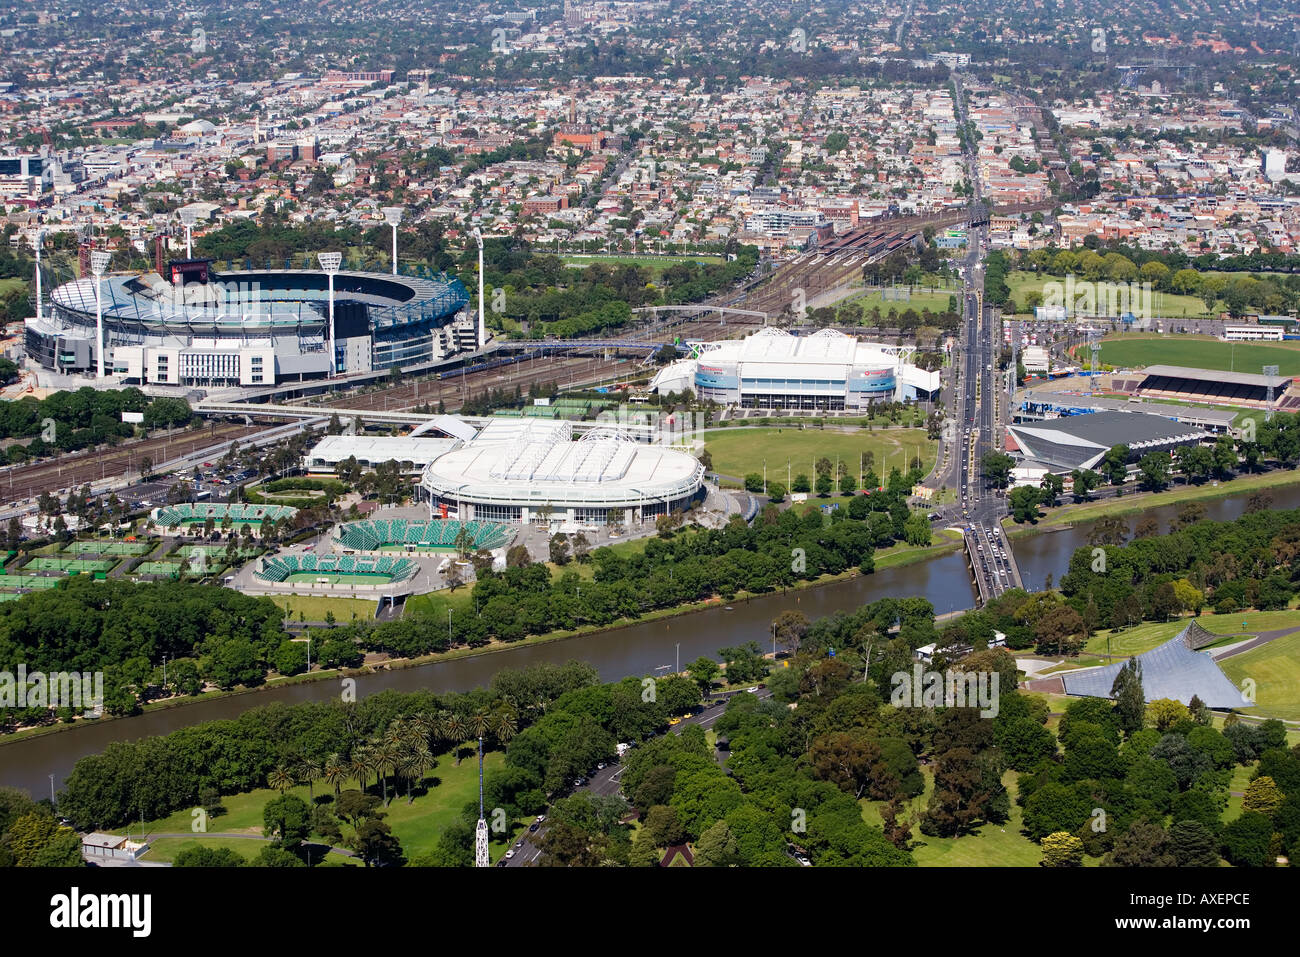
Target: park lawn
1166,304
993,845
1144,637
435,604
1275,668
314,608
936,302
739,452
1241,775
417,825
166,848
655,263
1199,352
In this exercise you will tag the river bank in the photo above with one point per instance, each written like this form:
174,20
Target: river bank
891,558
1073,514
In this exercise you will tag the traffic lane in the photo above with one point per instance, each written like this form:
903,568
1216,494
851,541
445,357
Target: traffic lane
608,779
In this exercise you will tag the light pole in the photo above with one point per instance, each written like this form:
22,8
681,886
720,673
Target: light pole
98,264
189,216
330,262
482,334
393,216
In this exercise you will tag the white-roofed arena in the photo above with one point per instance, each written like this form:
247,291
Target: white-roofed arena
775,370
530,470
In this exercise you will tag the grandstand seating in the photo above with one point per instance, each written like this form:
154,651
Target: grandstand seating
281,567
372,534
171,516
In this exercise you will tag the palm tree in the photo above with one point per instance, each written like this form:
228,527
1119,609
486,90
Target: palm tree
362,764
279,778
385,762
480,722
335,772
415,763
457,730
309,771
504,725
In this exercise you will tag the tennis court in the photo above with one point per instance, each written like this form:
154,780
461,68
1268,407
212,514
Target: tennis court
108,548
166,569
352,579
44,563
28,581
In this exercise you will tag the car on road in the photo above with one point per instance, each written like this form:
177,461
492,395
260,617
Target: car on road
541,818
509,854
673,721
753,690
519,843
600,766
579,782
532,828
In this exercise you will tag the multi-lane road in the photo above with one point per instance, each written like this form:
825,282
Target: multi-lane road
608,780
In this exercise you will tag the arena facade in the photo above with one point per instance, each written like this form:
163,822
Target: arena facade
198,327
773,369
533,471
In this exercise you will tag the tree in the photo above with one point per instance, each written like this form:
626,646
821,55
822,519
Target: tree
703,670
1153,470
996,467
1263,796
663,826
1130,700
375,844
716,846
287,820
1144,844
824,485
37,840
1061,849
1164,713
790,628
1245,841
208,857
1193,844
559,549
1024,503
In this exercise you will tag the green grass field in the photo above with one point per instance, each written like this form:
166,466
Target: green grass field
313,608
656,263
1275,668
417,825
1144,637
993,845
435,604
1199,352
357,579
741,451
1165,304
919,301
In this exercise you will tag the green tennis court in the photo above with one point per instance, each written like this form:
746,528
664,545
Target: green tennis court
421,549
339,579
108,548
211,552
28,581
44,563
168,569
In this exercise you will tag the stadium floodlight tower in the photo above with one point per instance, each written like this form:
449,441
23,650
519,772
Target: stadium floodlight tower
40,240
482,332
189,216
98,266
330,262
393,216
1271,372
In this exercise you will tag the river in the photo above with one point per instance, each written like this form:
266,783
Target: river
642,649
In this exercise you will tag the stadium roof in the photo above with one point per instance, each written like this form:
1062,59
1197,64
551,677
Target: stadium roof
535,462
1221,378
1172,670
1079,441
372,449
1189,414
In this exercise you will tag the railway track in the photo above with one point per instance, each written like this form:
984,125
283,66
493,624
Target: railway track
74,471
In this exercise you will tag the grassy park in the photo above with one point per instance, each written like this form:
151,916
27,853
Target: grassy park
315,608
741,451
1275,669
1166,304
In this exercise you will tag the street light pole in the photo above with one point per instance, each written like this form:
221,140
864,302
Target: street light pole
40,239
189,216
